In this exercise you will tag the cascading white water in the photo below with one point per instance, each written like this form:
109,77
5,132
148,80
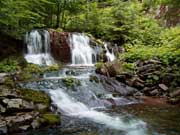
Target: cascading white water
71,107
81,51
38,48
109,55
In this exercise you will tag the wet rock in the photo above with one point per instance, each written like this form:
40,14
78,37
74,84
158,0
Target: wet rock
41,107
3,127
115,86
20,121
138,94
163,87
2,77
60,47
154,92
175,93
24,128
2,109
94,79
110,68
18,104
35,124
13,103
4,92
174,101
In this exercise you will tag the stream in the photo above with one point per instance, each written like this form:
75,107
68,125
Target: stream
88,104
85,108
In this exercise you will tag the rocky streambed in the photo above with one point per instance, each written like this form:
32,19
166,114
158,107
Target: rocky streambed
24,109
87,104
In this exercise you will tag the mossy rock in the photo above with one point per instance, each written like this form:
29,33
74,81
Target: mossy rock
33,68
23,76
54,67
35,96
70,82
99,66
49,118
9,82
94,78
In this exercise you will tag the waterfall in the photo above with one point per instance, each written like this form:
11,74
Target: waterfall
69,106
38,47
109,55
81,51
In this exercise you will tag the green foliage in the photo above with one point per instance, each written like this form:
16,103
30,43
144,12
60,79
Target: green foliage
9,65
99,65
9,82
54,67
19,16
128,66
167,49
32,68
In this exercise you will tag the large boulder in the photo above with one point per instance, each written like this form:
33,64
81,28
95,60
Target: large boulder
2,77
18,104
60,47
109,68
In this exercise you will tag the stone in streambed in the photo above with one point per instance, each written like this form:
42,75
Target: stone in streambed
18,104
3,77
2,109
163,87
154,92
175,93
3,127
10,93
24,128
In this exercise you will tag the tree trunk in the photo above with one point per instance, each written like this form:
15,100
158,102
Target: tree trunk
58,15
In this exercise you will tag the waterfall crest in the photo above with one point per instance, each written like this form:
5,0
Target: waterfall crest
38,47
81,51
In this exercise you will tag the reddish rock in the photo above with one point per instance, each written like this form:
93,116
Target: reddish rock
154,100
60,47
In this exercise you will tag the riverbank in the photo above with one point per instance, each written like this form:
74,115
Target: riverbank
151,77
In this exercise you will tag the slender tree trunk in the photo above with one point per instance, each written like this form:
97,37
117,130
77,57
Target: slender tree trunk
58,15
87,14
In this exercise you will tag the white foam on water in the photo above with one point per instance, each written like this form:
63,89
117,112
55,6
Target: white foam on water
38,48
109,55
71,107
82,54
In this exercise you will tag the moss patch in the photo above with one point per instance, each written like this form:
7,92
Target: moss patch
50,118
70,82
35,96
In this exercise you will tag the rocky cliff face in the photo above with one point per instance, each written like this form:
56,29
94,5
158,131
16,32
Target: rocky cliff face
60,48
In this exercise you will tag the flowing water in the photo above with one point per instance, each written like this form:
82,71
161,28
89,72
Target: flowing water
38,47
84,106
82,99
82,52
110,55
